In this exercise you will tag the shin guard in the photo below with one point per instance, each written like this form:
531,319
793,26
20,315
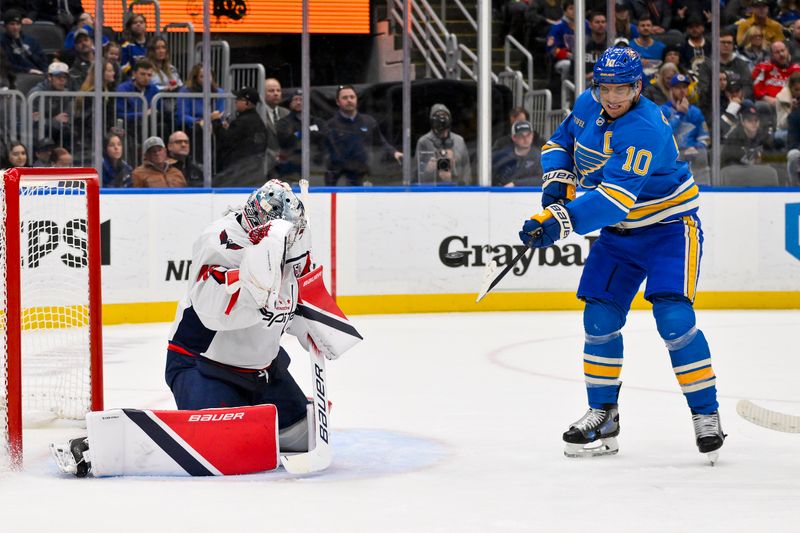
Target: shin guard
602,353
208,442
689,352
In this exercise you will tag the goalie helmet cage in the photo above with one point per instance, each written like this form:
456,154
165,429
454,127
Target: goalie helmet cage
50,328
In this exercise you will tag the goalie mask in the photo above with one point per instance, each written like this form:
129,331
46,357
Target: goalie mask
272,201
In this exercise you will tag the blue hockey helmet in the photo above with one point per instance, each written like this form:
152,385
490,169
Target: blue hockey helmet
272,201
618,66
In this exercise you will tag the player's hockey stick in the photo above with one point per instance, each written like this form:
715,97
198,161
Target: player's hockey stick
491,278
320,457
767,418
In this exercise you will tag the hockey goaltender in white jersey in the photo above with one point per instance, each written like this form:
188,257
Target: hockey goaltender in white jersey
239,407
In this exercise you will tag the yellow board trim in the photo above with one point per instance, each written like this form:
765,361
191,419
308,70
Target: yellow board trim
137,313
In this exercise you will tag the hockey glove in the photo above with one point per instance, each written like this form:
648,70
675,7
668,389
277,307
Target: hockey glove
545,228
558,187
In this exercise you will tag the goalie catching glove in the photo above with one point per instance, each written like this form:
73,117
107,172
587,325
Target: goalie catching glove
558,187
547,227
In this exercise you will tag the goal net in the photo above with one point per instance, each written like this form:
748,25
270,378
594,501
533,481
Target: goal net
50,329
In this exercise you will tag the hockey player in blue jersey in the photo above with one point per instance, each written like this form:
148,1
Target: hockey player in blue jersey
618,146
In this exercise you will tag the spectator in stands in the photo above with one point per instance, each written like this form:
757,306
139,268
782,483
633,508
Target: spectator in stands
165,75
43,150
672,54
241,145
61,157
85,23
56,113
84,57
190,110
112,52
61,12
595,41
351,136
736,68
290,135
561,40
539,16
134,46
771,28
695,48
156,170
658,89
786,101
141,82
685,10
519,164
83,145
649,49
688,125
178,148
116,171
515,115
769,78
16,155
793,42
659,12
793,144
789,12
273,96
745,143
23,7
442,155
24,52
623,23
731,98
754,48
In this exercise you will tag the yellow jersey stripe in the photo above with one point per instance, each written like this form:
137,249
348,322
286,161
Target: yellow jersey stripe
622,198
692,256
601,370
620,189
697,375
641,212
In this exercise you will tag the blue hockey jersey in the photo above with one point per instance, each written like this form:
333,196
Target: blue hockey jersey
629,163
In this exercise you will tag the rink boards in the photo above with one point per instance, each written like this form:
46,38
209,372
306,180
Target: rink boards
383,251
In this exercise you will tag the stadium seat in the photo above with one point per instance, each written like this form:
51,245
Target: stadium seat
50,36
25,81
749,176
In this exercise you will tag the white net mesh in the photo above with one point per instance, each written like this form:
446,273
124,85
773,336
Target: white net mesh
56,369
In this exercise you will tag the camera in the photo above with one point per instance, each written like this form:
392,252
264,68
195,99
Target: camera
442,161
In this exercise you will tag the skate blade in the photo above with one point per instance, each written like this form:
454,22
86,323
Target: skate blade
63,458
606,446
713,457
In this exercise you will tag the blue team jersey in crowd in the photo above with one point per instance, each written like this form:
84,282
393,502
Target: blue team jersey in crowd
630,164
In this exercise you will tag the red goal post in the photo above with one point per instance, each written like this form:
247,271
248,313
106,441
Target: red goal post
51,358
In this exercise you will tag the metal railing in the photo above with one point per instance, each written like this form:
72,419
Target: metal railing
249,75
220,61
507,46
13,118
438,47
180,40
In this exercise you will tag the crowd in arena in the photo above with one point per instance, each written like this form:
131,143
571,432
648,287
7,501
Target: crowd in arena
759,107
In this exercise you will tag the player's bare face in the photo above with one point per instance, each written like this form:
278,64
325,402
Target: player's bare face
617,99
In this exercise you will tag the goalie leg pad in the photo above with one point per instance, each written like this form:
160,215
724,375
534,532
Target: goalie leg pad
209,442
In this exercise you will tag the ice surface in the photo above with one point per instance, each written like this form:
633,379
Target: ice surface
452,423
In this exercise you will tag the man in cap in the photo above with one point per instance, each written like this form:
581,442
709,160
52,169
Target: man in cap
55,111
688,125
84,57
156,170
745,143
442,155
24,52
519,164
43,150
290,135
241,144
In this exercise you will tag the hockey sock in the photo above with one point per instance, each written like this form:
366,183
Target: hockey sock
688,350
602,351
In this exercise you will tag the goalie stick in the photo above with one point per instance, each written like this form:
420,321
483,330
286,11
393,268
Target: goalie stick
767,418
321,456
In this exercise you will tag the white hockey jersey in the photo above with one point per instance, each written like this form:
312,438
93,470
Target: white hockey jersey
232,312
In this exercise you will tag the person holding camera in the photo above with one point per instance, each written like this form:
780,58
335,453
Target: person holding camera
442,156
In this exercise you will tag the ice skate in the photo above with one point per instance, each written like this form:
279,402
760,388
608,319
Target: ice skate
73,457
596,425
708,431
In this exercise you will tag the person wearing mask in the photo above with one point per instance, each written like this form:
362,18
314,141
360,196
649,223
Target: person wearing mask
442,155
